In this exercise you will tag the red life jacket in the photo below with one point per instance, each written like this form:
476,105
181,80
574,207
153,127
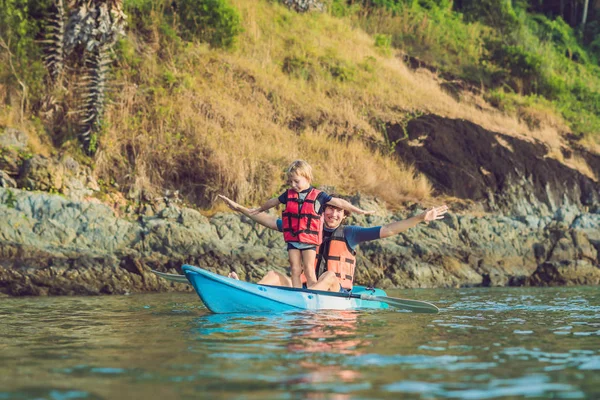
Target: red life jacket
301,223
337,256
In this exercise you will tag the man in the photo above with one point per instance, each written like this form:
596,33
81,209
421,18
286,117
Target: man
336,258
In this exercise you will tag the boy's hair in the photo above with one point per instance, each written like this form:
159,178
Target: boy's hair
301,168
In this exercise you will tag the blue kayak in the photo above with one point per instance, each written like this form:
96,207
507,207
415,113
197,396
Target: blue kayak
221,294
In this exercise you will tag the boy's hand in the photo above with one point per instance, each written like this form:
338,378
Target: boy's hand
363,212
255,211
230,203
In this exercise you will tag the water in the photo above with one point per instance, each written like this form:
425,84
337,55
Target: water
484,344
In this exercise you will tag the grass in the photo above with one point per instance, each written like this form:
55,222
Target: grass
441,38
312,86
208,121
307,86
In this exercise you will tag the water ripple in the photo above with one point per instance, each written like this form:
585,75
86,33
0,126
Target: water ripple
486,343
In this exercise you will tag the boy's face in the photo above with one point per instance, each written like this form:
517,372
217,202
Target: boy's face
298,182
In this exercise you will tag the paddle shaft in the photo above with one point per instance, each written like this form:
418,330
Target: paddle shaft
415,306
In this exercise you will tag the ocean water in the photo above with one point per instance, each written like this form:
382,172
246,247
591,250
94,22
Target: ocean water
498,343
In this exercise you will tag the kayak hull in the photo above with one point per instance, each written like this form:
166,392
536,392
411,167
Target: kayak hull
221,294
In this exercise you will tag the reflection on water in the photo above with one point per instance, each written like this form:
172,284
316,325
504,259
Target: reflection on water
484,344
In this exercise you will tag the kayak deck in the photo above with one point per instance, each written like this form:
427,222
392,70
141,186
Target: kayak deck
221,294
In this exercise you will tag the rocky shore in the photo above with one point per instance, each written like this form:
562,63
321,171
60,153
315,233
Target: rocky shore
531,220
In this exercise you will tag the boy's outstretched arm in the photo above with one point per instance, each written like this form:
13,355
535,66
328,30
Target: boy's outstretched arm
264,219
274,202
346,205
394,228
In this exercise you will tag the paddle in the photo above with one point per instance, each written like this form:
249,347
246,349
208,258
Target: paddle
172,277
415,306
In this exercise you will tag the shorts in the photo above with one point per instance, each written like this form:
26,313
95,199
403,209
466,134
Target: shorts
300,246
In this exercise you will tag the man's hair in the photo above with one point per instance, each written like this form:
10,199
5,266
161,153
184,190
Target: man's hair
300,168
346,212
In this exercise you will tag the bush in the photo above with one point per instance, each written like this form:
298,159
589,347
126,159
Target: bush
384,43
21,25
338,69
553,86
521,64
298,67
595,48
138,11
213,21
343,8
498,14
560,34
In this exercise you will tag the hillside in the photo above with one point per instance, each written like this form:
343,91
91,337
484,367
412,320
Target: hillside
204,119
115,139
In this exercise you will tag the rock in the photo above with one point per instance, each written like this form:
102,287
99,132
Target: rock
52,245
566,214
65,176
302,6
6,181
508,174
571,246
566,272
14,138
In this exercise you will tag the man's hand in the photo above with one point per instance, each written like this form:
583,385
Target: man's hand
435,213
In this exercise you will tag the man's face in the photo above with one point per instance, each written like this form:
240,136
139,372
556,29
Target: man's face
333,216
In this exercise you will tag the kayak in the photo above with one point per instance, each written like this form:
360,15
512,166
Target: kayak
221,294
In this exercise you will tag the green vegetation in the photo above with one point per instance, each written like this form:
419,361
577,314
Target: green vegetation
213,21
505,46
21,61
217,96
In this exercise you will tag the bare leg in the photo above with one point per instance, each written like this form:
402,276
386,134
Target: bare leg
233,275
328,282
295,267
308,265
276,279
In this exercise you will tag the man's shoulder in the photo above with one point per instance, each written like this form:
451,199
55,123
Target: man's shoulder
353,228
355,234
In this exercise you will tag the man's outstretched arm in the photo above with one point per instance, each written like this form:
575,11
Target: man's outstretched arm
262,218
394,228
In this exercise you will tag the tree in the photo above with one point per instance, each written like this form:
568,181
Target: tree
585,13
93,28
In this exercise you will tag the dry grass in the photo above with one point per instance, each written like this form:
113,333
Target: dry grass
592,143
207,121
11,116
232,122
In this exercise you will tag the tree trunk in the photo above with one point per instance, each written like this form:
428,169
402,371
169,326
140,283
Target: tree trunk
573,19
585,13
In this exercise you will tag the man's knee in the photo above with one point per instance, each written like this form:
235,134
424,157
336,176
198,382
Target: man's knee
331,279
328,276
327,281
